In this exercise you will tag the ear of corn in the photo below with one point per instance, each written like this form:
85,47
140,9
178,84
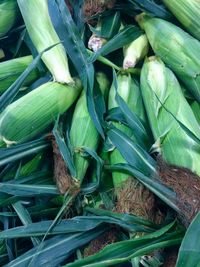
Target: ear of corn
135,51
34,112
43,35
8,15
188,13
179,50
130,92
83,131
176,146
10,70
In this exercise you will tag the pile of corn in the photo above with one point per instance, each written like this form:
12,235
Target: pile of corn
84,122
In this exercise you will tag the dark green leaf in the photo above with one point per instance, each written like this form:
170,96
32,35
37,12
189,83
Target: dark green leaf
79,56
64,150
28,190
55,249
125,250
189,253
135,155
20,151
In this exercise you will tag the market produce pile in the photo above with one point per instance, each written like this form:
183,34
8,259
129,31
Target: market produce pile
100,133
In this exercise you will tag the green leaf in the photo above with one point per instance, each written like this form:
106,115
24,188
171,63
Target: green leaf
55,250
28,190
110,25
7,97
64,150
133,121
134,154
189,252
91,187
125,250
151,7
80,224
79,56
124,37
20,151
153,184
25,218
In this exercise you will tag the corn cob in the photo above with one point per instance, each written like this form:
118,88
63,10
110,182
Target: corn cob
96,42
179,50
8,15
10,70
135,51
132,196
173,142
130,92
83,131
34,112
188,13
43,35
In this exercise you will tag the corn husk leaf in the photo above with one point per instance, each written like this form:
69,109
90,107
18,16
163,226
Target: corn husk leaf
33,113
10,70
188,13
176,48
175,144
8,15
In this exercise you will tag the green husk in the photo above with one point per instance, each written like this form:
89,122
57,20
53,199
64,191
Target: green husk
129,90
135,51
179,50
188,13
83,131
10,70
43,35
196,109
175,145
8,15
33,113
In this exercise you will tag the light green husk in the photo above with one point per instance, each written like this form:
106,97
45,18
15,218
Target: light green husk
173,142
33,113
10,70
43,35
135,51
179,50
188,13
8,15
83,131
129,90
